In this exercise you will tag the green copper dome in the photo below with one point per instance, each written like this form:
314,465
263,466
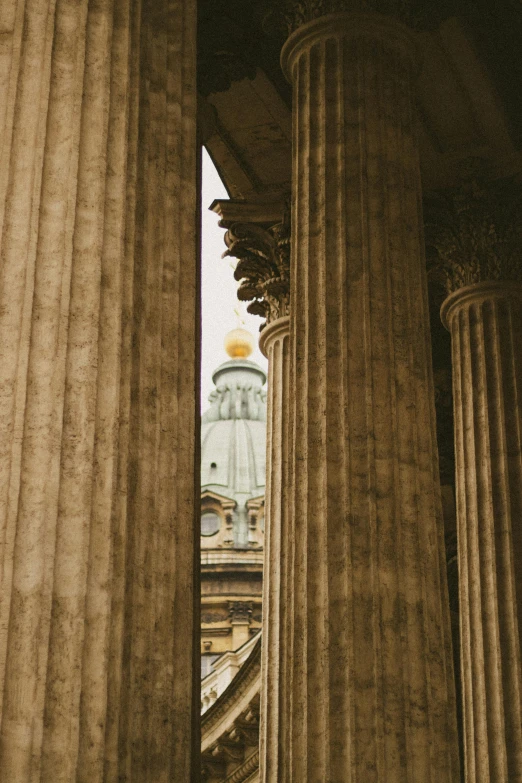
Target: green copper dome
233,439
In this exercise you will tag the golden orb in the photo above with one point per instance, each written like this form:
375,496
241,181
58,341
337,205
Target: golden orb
239,344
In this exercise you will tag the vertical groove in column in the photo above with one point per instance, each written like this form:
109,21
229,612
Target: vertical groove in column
26,95
75,523
157,728
274,342
117,759
486,328
104,548
372,693
298,701
36,507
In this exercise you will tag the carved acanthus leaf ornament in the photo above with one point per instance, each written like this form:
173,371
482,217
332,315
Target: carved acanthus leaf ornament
298,12
288,15
263,266
474,234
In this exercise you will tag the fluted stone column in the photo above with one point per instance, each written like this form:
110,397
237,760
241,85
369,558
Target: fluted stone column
97,398
370,693
275,345
264,270
478,239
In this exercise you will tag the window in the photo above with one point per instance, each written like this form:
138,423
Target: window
210,523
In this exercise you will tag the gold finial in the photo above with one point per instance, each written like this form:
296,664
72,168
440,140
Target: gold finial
239,343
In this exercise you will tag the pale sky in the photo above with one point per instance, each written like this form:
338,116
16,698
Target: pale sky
218,288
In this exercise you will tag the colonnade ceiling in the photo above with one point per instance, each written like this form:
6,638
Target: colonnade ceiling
468,94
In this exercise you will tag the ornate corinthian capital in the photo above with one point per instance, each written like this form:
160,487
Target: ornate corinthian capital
263,266
474,234
294,13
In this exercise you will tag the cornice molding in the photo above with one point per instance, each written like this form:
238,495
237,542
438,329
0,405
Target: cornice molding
241,774
244,680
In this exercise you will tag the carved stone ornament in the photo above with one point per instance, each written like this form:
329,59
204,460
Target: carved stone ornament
263,266
217,616
302,11
291,14
474,234
240,611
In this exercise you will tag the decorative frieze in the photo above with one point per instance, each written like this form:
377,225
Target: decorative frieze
474,233
263,266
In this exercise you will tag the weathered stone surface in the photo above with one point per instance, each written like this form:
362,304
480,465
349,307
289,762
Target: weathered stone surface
97,397
274,737
485,321
370,692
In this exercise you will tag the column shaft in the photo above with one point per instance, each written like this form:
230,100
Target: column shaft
370,691
275,344
97,391
485,321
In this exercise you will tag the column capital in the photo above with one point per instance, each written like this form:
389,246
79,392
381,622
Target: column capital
289,15
474,234
354,20
296,13
263,266
487,290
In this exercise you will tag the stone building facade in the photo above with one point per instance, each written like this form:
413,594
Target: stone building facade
385,136
233,452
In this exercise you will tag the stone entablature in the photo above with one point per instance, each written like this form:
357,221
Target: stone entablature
231,601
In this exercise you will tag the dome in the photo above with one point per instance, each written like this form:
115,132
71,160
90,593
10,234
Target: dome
233,458
233,439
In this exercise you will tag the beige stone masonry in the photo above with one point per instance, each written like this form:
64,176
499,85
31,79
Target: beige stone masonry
369,694
97,391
